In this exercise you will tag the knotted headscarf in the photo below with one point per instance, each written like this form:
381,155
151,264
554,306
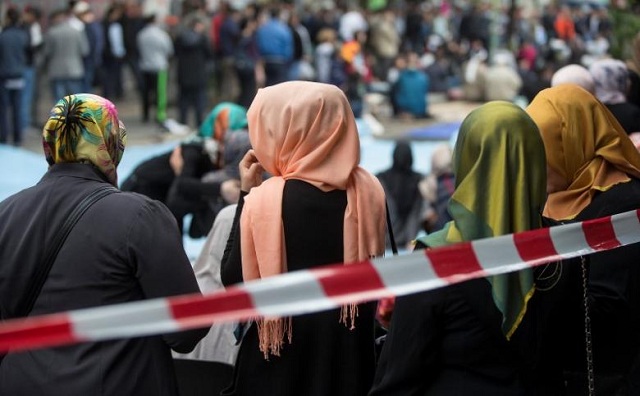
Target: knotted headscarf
85,128
500,171
584,144
306,131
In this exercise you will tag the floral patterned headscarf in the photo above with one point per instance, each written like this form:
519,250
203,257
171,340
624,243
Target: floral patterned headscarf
85,128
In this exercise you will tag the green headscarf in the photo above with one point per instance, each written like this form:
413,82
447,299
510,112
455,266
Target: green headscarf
500,169
224,116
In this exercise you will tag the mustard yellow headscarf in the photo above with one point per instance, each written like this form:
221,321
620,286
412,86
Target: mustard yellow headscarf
85,128
585,144
500,171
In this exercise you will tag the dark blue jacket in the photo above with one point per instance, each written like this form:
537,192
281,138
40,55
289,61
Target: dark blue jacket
14,44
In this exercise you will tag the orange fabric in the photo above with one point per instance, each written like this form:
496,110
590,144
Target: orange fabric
350,50
565,28
307,131
585,144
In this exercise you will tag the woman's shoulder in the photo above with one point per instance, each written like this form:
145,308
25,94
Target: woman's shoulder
620,198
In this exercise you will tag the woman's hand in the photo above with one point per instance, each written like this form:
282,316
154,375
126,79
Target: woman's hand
230,191
250,171
176,161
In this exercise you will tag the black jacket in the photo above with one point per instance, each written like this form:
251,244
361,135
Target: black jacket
126,247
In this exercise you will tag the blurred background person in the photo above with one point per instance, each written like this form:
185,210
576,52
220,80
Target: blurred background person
194,56
14,47
114,53
400,183
275,45
574,74
437,188
156,48
64,50
411,90
502,81
31,20
611,78
96,40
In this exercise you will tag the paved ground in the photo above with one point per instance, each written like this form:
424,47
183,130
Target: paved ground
139,133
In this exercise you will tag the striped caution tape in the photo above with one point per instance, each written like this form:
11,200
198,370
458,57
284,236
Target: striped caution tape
326,287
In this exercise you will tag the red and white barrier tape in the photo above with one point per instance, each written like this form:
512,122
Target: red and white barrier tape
326,287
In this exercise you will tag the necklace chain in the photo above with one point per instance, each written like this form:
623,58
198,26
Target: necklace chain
587,330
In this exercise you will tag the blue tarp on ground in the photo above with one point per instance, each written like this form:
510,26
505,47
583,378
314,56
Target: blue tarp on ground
20,168
440,131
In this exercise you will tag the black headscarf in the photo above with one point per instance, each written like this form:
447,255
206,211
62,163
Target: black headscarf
400,181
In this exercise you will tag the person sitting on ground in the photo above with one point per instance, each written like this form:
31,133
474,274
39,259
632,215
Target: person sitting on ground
410,90
501,79
175,177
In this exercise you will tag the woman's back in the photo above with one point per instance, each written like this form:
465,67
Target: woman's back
325,357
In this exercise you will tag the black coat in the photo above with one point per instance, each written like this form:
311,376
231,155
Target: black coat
193,52
627,114
449,342
614,298
126,247
325,357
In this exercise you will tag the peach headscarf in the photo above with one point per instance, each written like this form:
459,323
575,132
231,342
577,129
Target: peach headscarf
585,144
306,131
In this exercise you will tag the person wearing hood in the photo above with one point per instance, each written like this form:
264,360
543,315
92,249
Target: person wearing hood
194,53
400,183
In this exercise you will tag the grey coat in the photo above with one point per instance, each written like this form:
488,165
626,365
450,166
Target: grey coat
64,50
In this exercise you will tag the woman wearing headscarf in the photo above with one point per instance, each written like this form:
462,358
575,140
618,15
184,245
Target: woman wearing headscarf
319,207
458,340
593,170
175,177
123,248
574,74
611,79
400,183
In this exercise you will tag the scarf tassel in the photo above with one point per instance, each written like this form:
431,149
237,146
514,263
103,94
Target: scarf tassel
272,332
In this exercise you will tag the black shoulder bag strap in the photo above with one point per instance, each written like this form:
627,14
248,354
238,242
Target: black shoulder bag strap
42,272
394,247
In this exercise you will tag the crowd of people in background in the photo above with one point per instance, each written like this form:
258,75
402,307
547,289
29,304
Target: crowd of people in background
279,150
408,54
